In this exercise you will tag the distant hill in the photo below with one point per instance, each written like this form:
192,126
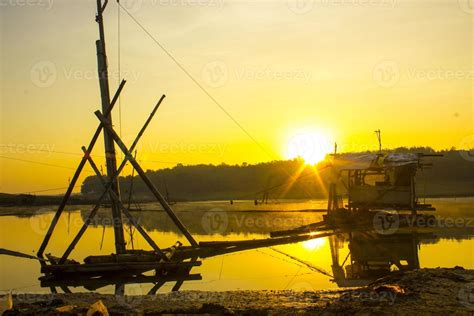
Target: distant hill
451,175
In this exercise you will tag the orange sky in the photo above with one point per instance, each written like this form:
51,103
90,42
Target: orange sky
337,68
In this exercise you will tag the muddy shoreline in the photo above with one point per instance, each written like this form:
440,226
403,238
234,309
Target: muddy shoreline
424,291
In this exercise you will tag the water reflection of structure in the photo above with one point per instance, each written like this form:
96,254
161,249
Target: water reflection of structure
93,283
372,256
135,267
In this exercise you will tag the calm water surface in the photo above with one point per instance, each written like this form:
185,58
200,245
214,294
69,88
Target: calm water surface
257,269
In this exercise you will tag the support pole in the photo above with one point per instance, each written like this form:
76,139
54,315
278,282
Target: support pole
145,179
180,282
111,160
74,179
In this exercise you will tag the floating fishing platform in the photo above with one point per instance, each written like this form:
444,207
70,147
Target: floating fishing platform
380,221
378,186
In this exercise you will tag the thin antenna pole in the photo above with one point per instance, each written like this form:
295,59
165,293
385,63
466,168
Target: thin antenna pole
379,139
119,62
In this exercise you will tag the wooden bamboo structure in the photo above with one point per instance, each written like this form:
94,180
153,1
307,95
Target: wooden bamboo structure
124,261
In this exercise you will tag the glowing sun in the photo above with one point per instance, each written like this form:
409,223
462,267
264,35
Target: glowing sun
312,146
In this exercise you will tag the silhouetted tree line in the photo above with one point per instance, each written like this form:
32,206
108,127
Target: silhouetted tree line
452,174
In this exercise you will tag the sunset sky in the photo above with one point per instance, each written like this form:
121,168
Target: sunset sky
281,69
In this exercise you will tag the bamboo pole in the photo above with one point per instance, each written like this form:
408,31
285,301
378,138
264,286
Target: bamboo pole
99,268
110,158
147,181
93,283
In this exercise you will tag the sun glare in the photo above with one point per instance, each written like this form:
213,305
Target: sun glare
312,146
313,244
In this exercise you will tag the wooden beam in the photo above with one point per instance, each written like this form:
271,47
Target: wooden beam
156,287
94,283
98,268
180,282
147,181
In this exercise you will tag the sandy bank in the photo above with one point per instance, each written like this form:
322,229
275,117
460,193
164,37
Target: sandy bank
425,291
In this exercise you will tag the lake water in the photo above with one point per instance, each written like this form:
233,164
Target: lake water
264,268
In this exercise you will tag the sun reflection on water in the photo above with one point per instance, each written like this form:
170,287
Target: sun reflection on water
314,244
